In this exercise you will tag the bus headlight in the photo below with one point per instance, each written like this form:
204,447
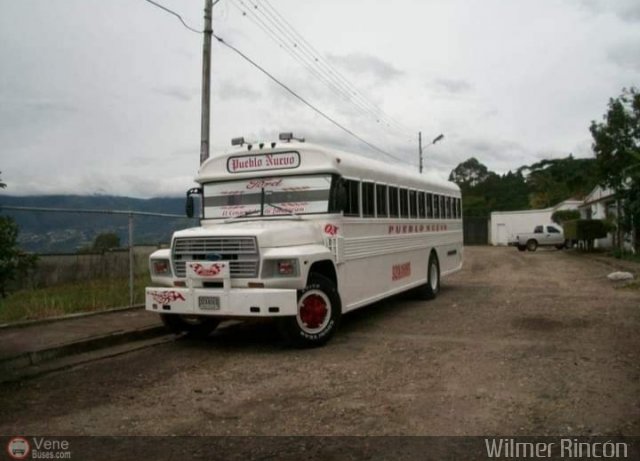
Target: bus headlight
280,268
160,267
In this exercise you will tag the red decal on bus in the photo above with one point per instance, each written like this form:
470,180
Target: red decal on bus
331,229
400,271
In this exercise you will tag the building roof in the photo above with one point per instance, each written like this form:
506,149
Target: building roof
598,194
570,202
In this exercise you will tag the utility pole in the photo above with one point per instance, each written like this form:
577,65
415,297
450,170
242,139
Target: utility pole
420,149
206,82
132,260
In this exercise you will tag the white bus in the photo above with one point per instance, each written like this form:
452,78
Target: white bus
303,234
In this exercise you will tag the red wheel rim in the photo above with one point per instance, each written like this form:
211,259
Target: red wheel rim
313,311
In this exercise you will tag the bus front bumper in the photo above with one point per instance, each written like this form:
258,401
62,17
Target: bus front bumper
224,302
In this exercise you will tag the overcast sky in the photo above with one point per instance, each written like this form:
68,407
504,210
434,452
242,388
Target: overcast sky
103,96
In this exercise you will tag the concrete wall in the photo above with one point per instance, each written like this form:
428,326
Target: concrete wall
505,225
65,268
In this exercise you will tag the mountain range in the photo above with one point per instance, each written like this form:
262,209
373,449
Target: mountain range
47,232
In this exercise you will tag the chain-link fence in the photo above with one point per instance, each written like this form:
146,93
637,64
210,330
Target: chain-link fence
87,259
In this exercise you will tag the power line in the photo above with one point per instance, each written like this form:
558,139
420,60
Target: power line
289,90
331,69
294,44
300,59
175,14
304,101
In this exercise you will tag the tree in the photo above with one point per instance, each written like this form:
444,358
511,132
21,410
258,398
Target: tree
616,142
13,262
469,173
2,184
105,242
554,180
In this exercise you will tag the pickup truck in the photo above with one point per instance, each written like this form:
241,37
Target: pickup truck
542,235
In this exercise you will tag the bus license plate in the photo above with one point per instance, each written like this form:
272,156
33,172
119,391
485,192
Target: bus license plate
209,302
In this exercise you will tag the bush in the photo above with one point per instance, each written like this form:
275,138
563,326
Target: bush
14,263
560,216
586,230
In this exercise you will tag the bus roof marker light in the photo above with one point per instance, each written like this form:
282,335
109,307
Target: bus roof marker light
288,136
237,141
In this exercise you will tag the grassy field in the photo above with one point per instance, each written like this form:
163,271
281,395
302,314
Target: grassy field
91,295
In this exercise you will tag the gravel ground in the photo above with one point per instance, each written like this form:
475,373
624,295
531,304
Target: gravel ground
517,343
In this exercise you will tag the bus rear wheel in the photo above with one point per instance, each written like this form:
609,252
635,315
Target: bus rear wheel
317,317
431,289
196,326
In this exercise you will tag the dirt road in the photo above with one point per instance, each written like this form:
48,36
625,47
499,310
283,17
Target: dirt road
517,343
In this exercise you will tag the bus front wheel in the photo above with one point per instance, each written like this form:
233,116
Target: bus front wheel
318,314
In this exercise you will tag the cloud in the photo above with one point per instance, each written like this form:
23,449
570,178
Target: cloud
452,85
176,92
626,55
51,106
499,155
366,64
627,10
229,90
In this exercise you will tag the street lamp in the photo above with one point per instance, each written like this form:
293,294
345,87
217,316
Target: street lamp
440,137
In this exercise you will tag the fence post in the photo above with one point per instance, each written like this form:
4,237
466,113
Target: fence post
131,259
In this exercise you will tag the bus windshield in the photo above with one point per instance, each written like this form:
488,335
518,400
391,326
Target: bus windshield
272,196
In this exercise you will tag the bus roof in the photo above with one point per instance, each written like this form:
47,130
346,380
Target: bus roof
297,158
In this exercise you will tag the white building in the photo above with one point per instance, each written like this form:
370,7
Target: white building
504,225
600,204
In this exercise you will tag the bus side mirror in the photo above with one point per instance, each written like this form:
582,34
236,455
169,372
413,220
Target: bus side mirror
189,206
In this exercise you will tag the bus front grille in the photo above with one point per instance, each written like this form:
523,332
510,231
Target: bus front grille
241,252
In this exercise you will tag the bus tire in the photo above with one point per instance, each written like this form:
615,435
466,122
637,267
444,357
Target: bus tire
194,326
431,289
318,316
532,245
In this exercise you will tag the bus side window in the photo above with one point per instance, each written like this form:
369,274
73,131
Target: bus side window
352,206
436,206
393,202
449,212
413,204
381,200
421,207
368,201
430,206
404,203
442,210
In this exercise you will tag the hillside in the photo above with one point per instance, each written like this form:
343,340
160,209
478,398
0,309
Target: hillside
46,232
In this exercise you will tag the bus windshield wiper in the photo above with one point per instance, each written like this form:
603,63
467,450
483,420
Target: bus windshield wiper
286,210
246,213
